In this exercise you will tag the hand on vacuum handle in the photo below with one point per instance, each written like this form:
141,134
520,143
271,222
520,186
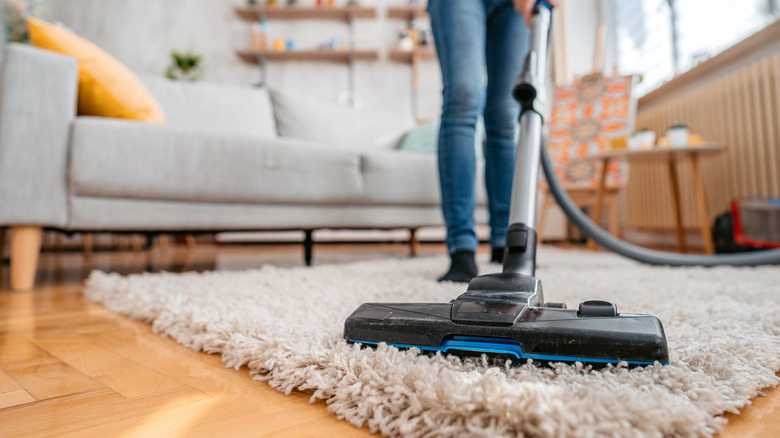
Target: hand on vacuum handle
544,3
530,85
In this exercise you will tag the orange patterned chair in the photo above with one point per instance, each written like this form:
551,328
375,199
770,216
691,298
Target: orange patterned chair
587,117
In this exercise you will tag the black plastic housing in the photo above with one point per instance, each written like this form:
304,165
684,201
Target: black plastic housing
540,332
504,313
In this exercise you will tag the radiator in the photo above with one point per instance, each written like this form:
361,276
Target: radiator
740,110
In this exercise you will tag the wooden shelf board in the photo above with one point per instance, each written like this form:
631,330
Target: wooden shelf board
406,12
305,13
308,55
406,56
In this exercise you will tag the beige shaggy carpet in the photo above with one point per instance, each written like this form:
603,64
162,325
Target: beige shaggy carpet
722,325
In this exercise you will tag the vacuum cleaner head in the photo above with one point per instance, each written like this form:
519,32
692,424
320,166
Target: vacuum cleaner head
505,314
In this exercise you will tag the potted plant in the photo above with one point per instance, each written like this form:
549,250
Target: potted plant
678,135
15,13
642,139
185,67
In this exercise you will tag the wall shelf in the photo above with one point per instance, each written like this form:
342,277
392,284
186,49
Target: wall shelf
253,56
305,13
347,14
414,56
423,52
407,13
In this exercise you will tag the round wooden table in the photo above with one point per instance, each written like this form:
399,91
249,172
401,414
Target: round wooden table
670,156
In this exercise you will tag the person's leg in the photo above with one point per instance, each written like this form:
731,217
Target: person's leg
459,34
505,53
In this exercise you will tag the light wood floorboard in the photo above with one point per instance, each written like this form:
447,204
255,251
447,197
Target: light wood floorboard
69,367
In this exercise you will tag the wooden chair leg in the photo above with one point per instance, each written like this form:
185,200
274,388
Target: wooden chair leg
190,239
25,249
599,199
542,218
614,216
701,207
678,221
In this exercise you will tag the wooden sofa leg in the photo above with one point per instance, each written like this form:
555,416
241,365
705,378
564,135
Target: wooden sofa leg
87,242
3,233
25,248
162,242
190,240
414,243
135,242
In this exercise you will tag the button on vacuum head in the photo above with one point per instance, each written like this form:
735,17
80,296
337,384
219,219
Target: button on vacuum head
597,308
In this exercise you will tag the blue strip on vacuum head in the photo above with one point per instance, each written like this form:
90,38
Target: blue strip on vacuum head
504,346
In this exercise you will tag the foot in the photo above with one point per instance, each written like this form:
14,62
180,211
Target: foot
497,256
463,267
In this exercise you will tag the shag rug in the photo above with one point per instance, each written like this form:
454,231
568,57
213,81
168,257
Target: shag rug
722,325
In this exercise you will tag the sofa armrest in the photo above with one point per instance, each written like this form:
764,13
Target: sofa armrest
38,95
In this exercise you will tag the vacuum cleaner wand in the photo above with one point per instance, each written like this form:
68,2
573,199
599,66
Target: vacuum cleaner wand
530,92
505,313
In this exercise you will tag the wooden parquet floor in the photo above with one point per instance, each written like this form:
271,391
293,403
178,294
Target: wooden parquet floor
69,367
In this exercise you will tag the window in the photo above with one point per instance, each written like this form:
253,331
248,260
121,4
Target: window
661,38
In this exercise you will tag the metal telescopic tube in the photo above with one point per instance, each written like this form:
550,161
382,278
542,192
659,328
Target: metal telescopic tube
529,90
526,178
532,80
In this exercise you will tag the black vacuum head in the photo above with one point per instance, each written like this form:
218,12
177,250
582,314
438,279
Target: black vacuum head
504,314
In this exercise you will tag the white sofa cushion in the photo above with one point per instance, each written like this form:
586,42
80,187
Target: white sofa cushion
121,159
400,178
328,123
407,178
205,107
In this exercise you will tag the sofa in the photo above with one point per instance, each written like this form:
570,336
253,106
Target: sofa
229,158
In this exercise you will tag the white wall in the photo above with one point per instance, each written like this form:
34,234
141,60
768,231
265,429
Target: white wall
142,33
578,21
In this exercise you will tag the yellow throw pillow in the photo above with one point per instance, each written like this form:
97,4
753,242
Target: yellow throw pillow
106,87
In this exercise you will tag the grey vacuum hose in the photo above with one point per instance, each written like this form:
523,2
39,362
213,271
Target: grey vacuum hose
603,238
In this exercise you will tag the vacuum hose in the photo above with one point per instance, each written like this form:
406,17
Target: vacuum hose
603,238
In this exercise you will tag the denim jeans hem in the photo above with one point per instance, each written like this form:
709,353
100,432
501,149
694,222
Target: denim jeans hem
463,243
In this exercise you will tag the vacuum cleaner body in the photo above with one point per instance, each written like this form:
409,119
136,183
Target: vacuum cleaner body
505,313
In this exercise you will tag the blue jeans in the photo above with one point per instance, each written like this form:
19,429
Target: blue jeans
471,37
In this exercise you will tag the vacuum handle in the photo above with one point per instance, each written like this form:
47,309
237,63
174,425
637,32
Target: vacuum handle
529,87
543,4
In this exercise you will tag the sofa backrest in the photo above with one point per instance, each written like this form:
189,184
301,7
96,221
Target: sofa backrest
208,107
328,123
